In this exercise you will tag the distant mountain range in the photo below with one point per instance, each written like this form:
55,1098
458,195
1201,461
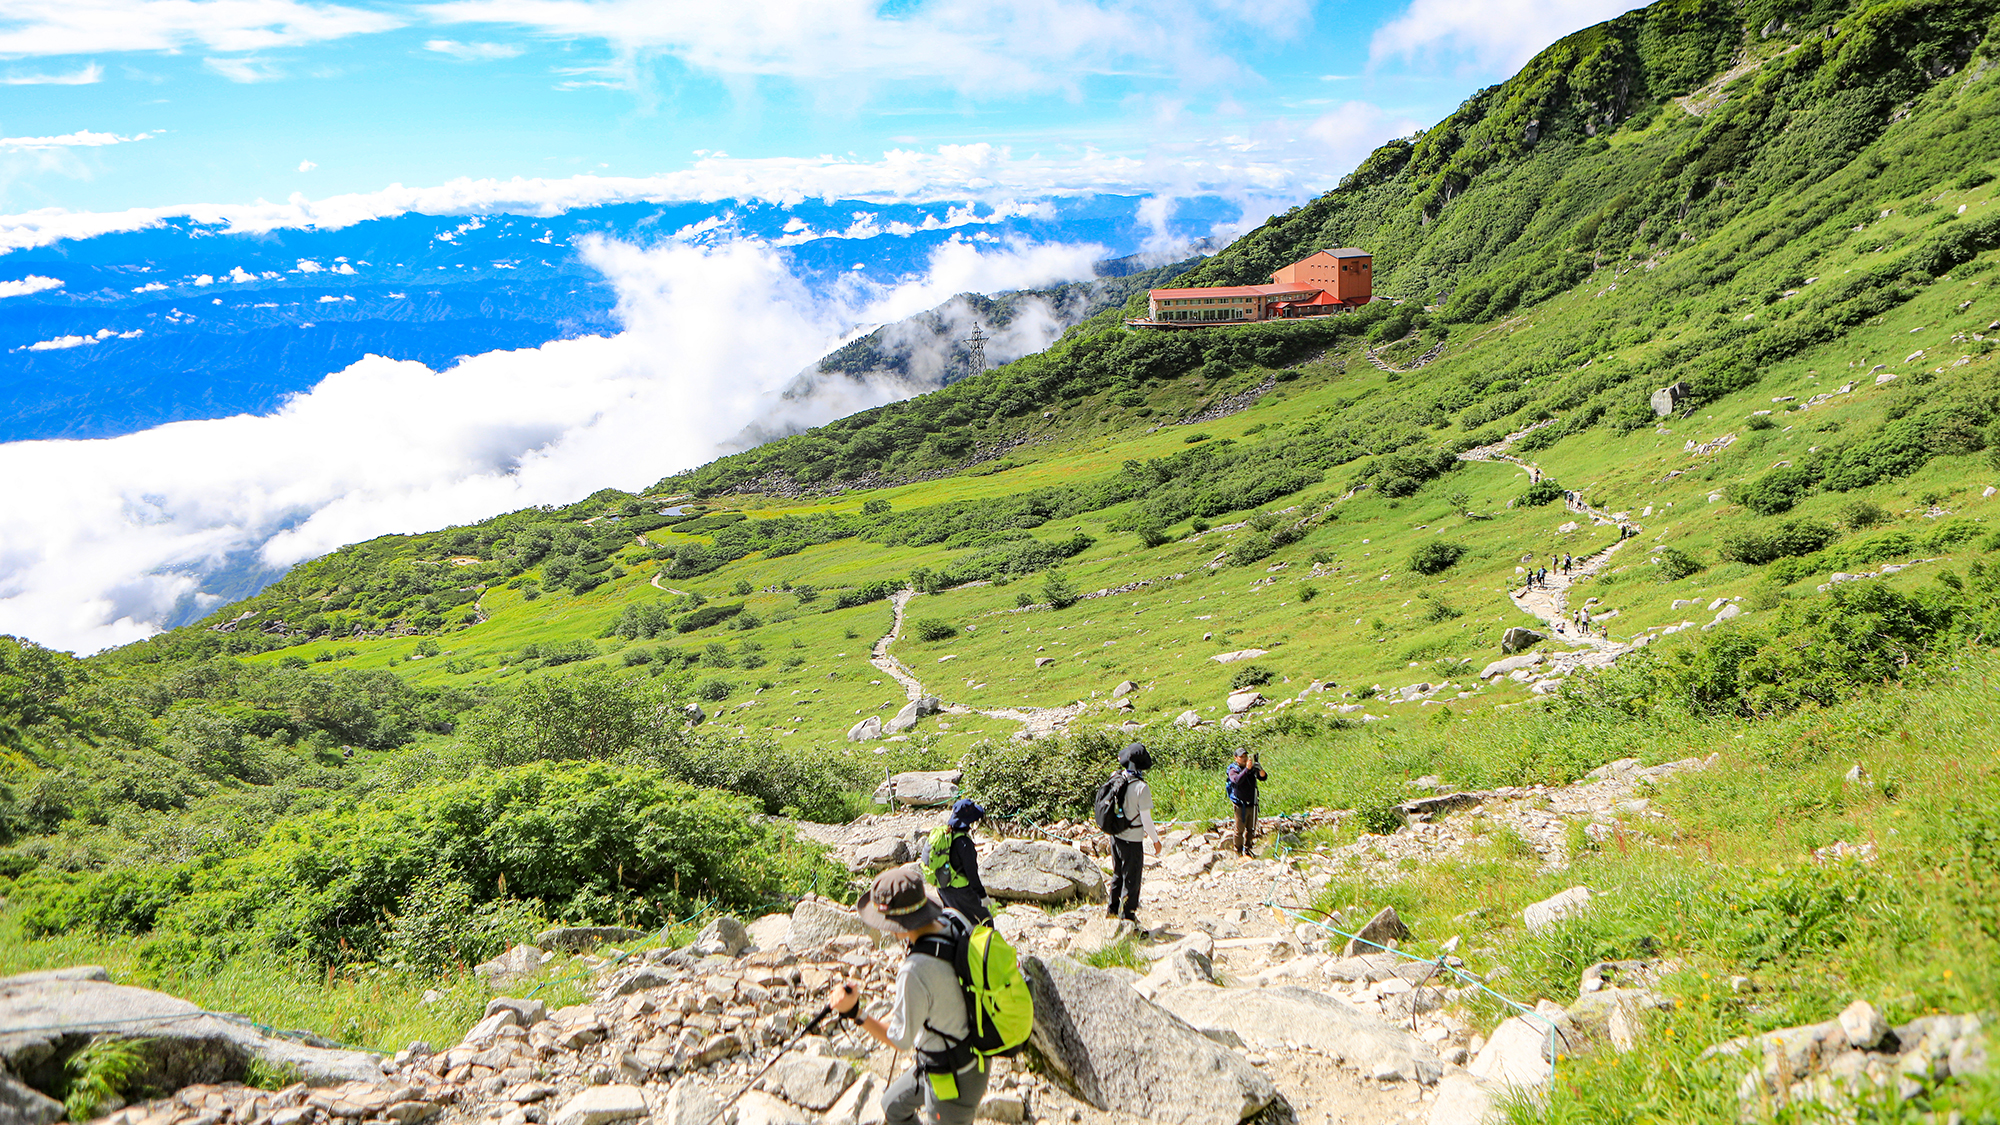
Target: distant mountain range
187,320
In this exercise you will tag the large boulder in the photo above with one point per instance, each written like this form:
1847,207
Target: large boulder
583,939
518,963
602,1105
921,788
1039,871
815,922
1664,399
912,711
1517,638
1239,655
1380,933
1266,1017
1242,701
867,730
723,937
180,1042
1508,664
1555,908
21,1104
879,854
1111,1047
813,1081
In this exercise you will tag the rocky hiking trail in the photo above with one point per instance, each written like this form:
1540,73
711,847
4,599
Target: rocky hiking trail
1247,1004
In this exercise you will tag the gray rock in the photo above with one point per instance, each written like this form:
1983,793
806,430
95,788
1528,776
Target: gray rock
1039,871
689,1101
1242,701
1517,1054
639,978
1508,664
1188,719
860,1105
72,972
527,1012
1185,965
1231,722
1265,1017
912,711
1124,689
815,1082
1863,1025
1663,400
768,933
518,963
724,937
1599,1016
1727,613
815,922
601,1105
1008,1109
880,855
21,1104
759,1108
1109,1046
1518,637
924,788
1187,863
695,715
1612,974
184,1043
1555,908
1382,929
867,730
1239,655
583,939
1462,1100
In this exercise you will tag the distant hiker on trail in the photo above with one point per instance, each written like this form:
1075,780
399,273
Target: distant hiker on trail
951,861
1244,774
1566,561
1124,808
1542,579
928,1012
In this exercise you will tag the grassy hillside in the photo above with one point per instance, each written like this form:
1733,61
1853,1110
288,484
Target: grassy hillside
1787,208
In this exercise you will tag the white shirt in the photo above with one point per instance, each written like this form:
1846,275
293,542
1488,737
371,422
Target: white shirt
1139,810
927,992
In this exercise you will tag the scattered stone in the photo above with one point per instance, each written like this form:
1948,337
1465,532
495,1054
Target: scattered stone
880,854
921,788
528,1012
1239,655
1556,907
867,730
601,1105
689,1101
1383,930
1124,689
912,711
1266,1018
723,937
1509,664
1663,400
1188,719
1044,661
813,1082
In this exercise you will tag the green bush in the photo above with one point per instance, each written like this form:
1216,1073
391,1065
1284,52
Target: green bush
1863,514
1249,676
1436,556
1760,422
1152,535
1788,539
1544,491
1676,564
1058,592
715,689
931,629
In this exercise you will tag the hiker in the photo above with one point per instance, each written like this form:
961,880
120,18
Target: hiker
1244,774
1128,829
927,1013
1585,621
1567,559
1542,579
951,861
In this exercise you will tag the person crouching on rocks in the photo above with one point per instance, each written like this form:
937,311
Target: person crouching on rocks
951,861
926,1015
1244,774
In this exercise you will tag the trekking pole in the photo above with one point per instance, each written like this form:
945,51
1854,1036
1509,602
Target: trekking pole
811,1026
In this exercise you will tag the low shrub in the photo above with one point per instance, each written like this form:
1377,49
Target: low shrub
933,630
1676,564
1249,676
1788,539
1544,491
1436,556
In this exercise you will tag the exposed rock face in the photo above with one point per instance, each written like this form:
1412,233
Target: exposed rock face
1113,1048
1386,927
602,1105
1826,1063
1510,664
921,788
193,1045
1665,398
1519,637
20,1105
1242,701
1266,1017
724,937
816,922
517,963
581,939
912,711
1555,908
867,730
1038,871
1239,655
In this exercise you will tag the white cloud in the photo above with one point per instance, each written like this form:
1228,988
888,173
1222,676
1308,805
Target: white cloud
116,531
62,342
246,70
73,27
89,74
149,287
307,265
83,139
239,275
1499,35
29,284
307,165
983,48
472,52
205,279
985,173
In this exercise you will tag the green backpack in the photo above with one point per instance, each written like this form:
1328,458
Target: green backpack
998,1003
937,860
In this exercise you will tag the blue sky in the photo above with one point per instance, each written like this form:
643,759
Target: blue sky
113,104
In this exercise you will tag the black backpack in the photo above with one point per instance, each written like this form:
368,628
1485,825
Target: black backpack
1110,803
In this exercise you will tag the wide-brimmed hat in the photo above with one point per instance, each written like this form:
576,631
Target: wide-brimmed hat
964,813
1135,758
899,901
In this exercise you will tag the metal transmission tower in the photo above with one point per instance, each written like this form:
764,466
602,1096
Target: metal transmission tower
975,351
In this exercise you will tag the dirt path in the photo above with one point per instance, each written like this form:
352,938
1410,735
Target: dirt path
881,658
1037,722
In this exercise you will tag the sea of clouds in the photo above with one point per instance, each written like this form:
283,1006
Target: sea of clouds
102,541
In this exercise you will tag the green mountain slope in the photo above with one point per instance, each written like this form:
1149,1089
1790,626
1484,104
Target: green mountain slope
1786,211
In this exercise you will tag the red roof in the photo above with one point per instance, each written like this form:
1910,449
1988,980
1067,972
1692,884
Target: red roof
1235,291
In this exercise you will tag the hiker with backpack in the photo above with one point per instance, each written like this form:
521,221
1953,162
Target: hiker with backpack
960,1002
1244,774
951,861
1124,808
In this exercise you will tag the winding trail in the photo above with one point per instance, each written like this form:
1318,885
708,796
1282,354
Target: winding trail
1035,721
1550,603
883,660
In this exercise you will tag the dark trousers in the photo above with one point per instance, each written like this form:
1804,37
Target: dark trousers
912,1099
1246,829
1128,864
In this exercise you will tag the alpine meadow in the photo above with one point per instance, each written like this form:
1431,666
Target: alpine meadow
1671,436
